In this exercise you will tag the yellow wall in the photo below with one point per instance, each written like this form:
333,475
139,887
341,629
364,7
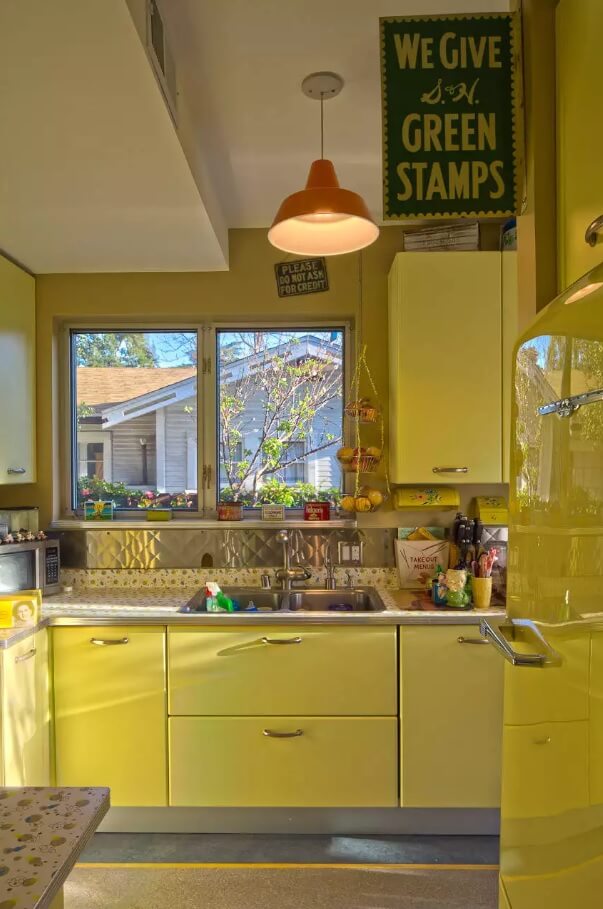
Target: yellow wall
246,292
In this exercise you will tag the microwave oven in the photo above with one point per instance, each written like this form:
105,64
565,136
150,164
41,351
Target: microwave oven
30,566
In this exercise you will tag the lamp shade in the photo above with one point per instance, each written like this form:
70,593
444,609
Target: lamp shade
323,219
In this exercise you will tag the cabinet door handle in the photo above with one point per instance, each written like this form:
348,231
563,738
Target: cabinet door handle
463,640
26,656
282,735
281,640
16,470
545,741
496,634
592,231
450,469
109,642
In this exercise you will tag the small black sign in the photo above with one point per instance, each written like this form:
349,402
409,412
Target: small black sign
301,276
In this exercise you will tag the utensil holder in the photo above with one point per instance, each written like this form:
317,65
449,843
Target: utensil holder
482,592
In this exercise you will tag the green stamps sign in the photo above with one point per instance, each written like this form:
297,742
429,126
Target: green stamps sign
452,117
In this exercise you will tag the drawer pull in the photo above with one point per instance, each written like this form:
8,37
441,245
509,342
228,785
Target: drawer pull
545,741
592,231
26,656
281,640
109,642
450,469
282,735
16,470
463,640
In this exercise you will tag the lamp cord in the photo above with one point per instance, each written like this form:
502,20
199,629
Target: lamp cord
322,125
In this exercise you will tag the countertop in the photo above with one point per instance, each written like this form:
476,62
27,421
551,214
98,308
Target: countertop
10,636
119,606
42,833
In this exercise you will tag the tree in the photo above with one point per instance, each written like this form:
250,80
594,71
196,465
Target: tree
289,388
114,348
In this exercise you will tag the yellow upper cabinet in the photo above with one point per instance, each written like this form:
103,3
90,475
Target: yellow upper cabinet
579,133
446,367
293,671
26,712
18,373
110,711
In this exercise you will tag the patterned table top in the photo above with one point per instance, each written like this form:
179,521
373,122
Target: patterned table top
42,833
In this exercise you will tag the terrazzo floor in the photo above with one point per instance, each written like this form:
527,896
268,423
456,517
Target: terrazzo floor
226,848
313,887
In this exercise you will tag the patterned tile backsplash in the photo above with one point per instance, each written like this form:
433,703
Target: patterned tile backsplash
191,578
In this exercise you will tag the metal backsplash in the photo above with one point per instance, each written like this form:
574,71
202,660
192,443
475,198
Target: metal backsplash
215,548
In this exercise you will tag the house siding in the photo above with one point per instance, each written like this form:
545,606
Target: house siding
179,424
127,451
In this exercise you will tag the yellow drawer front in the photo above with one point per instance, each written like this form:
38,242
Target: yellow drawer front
333,762
451,718
545,769
110,709
293,671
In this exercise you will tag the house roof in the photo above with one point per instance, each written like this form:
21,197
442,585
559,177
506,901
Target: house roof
104,385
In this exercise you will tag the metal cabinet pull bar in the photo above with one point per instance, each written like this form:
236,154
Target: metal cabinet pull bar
282,735
463,640
538,660
281,640
16,470
592,231
545,741
26,656
109,642
450,469
565,407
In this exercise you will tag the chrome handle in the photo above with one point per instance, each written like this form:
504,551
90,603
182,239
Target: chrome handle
538,660
109,642
463,640
592,231
545,741
26,656
450,469
282,735
16,470
281,640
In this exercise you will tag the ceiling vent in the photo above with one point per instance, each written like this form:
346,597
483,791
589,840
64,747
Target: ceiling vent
161,57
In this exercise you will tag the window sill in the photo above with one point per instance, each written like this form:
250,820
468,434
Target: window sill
198,524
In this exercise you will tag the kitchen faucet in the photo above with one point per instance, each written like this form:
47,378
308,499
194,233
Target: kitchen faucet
289,573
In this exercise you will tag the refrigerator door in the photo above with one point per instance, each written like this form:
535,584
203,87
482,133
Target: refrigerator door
552,641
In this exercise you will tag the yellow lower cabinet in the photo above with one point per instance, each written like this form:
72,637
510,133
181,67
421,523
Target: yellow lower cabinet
110,711
451,718
308,762
26,712
298,670
546,769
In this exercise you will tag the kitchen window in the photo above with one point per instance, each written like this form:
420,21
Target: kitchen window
185,418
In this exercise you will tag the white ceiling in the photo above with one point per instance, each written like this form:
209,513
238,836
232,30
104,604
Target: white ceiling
242,63
92,175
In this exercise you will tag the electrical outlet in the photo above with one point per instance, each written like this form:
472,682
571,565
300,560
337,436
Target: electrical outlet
350,554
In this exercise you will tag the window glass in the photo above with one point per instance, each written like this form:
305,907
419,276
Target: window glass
280,415
135,418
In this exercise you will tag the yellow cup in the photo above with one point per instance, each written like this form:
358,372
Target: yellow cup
482,592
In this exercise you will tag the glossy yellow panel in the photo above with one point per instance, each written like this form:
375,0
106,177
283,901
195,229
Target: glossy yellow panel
331,762
445,311
18,358
294,671
25,712
451,718
110,711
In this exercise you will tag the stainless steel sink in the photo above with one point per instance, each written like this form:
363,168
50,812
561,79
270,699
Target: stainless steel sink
310,599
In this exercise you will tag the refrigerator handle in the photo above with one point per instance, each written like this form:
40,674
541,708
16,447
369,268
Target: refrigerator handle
495,634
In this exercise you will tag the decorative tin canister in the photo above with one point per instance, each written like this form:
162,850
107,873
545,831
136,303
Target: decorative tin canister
317,511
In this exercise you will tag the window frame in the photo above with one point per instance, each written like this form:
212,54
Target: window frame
208,464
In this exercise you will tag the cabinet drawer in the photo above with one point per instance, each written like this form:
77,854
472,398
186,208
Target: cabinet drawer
329,762
293,671
451,718
545,769
25,712
110,711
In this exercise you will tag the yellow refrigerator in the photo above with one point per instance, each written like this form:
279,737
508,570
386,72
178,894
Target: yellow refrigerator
552,638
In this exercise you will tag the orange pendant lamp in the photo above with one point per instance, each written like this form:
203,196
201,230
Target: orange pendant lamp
322,219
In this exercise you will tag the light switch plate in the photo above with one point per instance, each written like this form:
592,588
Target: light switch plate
350,554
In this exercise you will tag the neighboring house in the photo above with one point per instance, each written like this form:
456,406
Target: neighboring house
138,425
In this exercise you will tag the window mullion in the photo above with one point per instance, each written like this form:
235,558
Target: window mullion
208,468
